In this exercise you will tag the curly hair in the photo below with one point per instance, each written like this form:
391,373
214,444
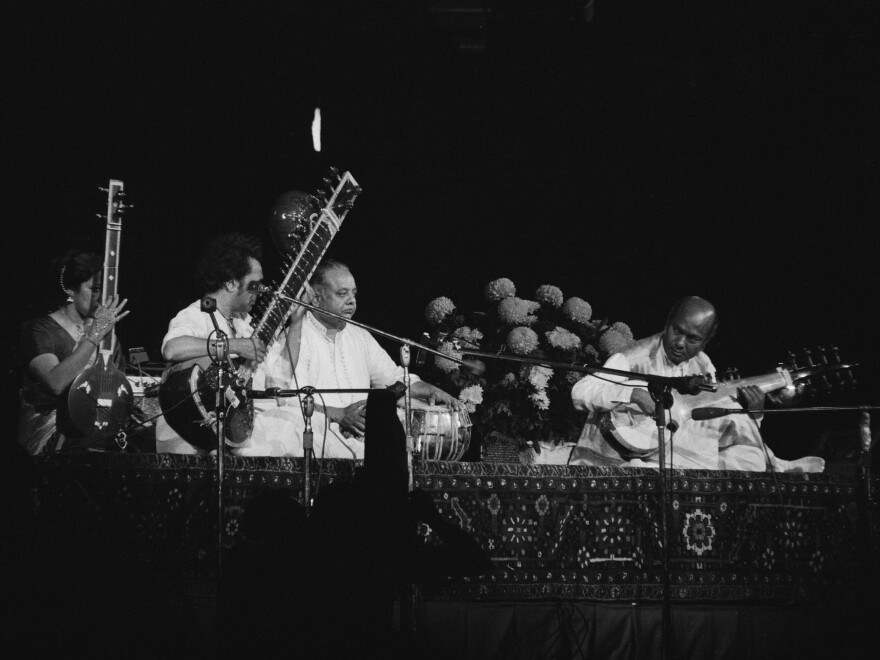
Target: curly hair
225,258
76,267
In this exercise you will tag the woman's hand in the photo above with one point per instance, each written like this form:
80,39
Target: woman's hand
105,318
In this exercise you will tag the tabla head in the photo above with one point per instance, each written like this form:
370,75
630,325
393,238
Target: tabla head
293,216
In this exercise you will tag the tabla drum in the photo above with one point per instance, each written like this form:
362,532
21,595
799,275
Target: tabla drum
440,433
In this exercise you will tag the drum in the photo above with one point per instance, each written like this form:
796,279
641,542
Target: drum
440,433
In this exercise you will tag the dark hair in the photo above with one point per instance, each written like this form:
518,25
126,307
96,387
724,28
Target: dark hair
325,267
76,267
225,258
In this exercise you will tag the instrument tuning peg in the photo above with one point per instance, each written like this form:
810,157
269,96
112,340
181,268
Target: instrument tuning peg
808,357
808,361
846,377
335,172
823,360
100,216
103,189
792,360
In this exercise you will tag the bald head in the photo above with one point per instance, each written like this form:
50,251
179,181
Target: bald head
691,324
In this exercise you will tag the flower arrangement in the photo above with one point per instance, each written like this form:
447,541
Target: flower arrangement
508,400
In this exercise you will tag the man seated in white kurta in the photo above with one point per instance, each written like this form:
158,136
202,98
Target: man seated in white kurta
333,354
729,443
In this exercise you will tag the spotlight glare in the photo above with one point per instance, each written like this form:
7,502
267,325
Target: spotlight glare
316,130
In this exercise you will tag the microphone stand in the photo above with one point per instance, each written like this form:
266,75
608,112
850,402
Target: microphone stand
661,394
411,447
308,409
374,331
221,346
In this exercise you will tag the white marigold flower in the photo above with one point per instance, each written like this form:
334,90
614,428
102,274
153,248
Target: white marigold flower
471,397
470,336
515,311
499,289
623,329
590,353
562,338
539,376
541,400
612,342
577,309
443,364
571,377
549,295
438,309
522,341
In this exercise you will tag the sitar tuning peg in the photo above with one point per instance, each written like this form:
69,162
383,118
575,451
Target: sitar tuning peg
808,357
846,377
335,172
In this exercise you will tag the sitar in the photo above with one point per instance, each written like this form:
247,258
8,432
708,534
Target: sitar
637,432
100,399
187,397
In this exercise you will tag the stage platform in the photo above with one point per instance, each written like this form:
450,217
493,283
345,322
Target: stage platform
758,562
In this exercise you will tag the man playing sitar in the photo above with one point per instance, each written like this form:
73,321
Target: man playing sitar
728,443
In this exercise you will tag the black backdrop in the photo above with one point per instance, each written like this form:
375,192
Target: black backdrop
654,150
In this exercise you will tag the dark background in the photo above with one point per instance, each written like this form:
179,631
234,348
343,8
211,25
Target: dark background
627,152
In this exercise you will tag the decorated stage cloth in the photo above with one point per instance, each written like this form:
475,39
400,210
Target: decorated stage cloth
551,532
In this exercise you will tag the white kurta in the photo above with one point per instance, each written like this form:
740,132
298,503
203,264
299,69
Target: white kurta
732,442
347,359
192,322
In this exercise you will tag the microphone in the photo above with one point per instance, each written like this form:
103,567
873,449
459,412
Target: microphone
711,412
268,393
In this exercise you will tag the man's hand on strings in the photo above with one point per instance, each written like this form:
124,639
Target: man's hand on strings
751,398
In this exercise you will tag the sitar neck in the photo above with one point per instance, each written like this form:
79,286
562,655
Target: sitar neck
766,383
112,242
